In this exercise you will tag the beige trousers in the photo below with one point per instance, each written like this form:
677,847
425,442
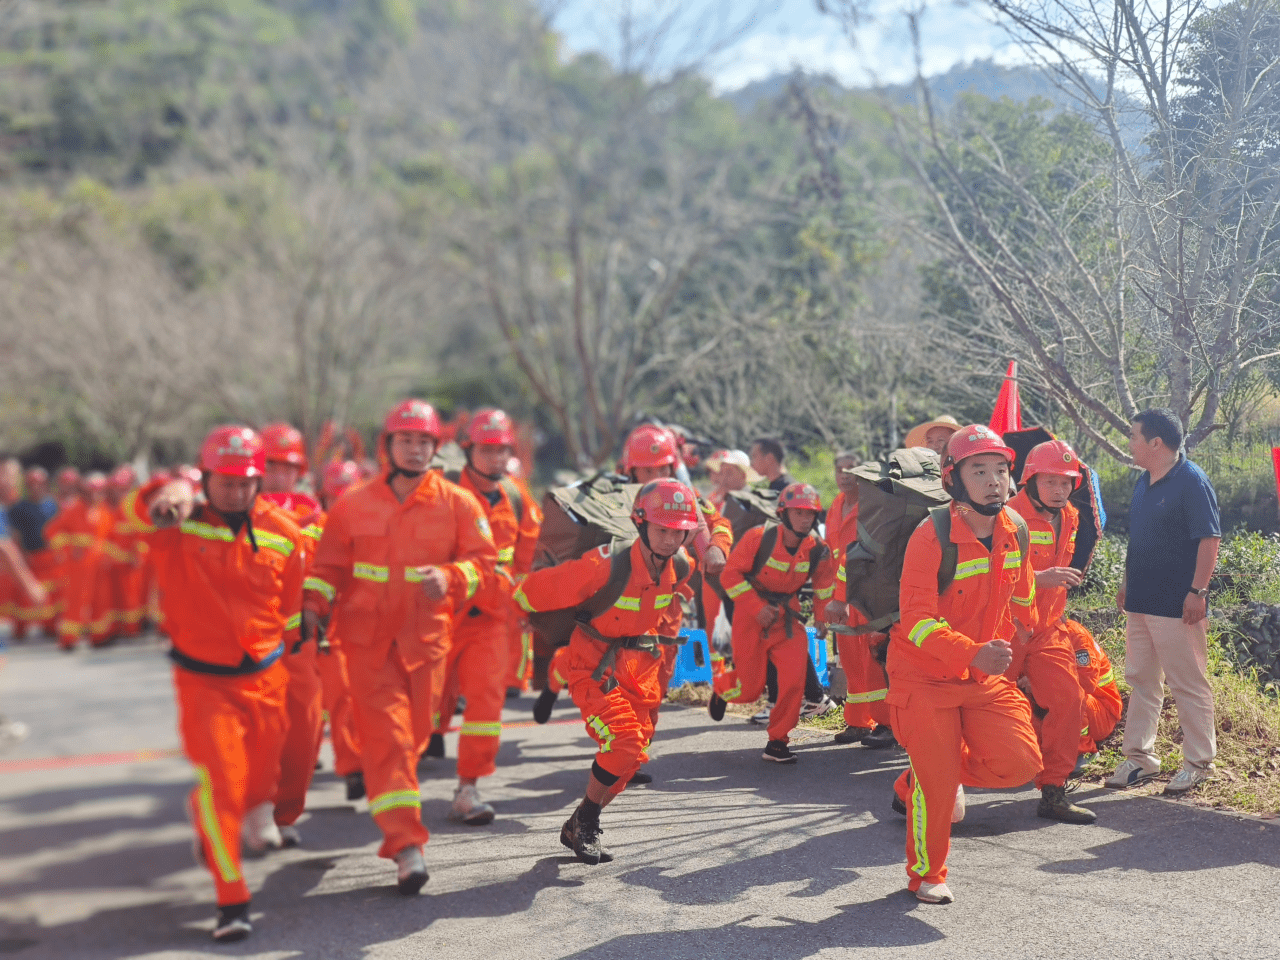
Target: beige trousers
1160,650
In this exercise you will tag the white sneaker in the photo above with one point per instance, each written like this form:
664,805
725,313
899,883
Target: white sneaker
411,871
809,709
468,808
957,814
1186,778
259,832
934,893
762,717
1130,773
289,836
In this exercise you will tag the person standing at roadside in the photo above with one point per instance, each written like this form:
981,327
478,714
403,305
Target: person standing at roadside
1174,534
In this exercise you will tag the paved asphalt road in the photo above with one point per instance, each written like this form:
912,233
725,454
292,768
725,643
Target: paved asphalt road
724,856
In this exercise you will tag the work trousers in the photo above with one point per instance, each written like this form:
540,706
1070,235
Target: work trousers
1160,649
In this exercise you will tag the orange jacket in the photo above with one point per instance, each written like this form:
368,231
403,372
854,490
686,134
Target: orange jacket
225,598
937,637
365,568
842,530
1051,602
783,572
642,609
83,532
515,540
721,529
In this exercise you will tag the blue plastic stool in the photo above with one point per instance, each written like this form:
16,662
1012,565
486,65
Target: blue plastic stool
818,652
688,667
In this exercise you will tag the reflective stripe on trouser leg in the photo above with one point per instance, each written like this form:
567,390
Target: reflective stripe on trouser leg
619,721
479,647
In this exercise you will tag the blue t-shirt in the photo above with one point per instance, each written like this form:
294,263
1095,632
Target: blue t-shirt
27,520
1167,521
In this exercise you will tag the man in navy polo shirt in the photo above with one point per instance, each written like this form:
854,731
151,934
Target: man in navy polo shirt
1173,547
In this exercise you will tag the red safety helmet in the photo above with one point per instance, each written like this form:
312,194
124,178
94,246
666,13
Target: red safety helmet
800,496
969,442
235,451
1052,456
650,446
488,426
284,444
94,482
123,478
414,415
338,477
666,503
68,477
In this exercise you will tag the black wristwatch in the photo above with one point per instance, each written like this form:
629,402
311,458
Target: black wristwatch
1199,593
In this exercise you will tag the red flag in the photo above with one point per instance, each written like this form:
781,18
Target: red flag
1007,415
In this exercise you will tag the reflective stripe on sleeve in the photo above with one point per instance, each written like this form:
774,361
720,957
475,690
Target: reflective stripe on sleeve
468,570
294,622
922,630
737,590
321,587
773,564
506,554
207,531
662,601
273,541
628,603
371,572
313,531
1107,678
523,601
824,593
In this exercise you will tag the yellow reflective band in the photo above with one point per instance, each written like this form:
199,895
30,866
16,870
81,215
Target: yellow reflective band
628,603
207,531
802,566
1085,732
732,694
506,554
273,541
209,827
920,633
777,565
313,531
523,601
478,729
468,570
1042,536
320,587
129,508
1106,678
919,828
1031,597
840,573
737,590
526,652
1013,559
411,575
972,568
603,734
371,571
871,696
393,800
294,622
662,601
824,593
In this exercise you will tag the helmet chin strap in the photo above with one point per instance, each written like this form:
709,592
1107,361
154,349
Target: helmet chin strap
644,538
492,478
984,509
1033,494
396,469
785,520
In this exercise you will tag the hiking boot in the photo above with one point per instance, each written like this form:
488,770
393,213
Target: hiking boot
355,785
435,747
468,808
777,751
716,707
810,709
259,832
513,693
763,716
581,834
934,893
880,738
411,871
542,706
1186,778
1130,773
851,735
232,923
290,837
958,811
640,779
1054,805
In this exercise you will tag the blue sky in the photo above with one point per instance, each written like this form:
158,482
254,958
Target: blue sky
788,33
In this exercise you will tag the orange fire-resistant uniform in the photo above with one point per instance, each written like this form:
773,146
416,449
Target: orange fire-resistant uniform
480,653
89,604
1102,703
127,576
520,634
1048,661
395,639
958,725
786,642
620,720
864,704
232,604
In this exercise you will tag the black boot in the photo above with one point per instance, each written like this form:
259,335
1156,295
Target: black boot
435,747
355,785
581,834
716,707
542,707
852,734
1054,805
880,738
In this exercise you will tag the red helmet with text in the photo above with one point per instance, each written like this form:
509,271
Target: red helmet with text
123,478
284,444
1052,456
666,503
650,446
800,496
416,416
488,426
235,451
969,442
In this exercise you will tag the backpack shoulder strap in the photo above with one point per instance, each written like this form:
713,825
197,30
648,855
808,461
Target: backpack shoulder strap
764,549
1023,531
941,517
607,596
682,564
818,553
514,497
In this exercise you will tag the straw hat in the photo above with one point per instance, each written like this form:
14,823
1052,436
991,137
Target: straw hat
739,459
916,437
